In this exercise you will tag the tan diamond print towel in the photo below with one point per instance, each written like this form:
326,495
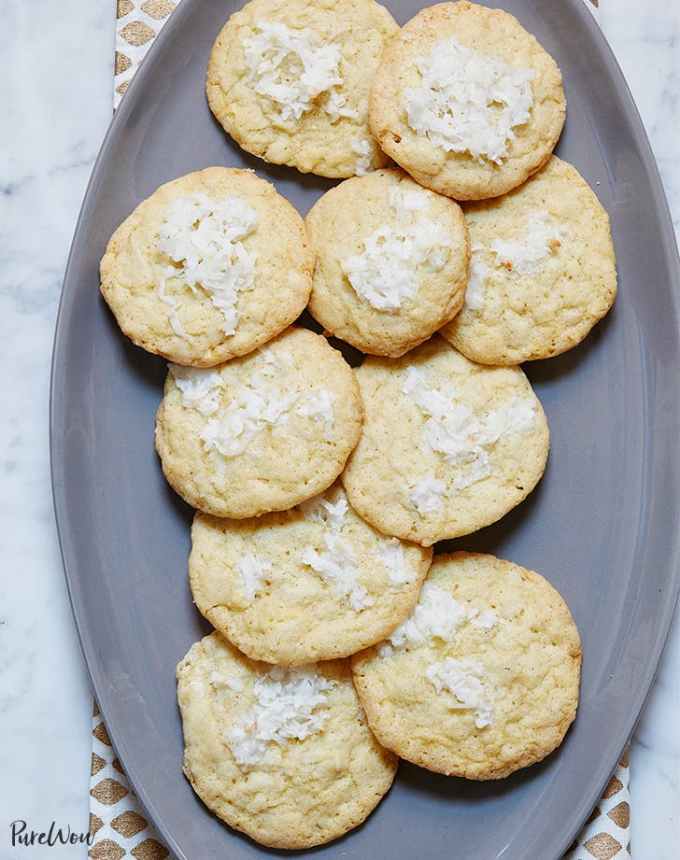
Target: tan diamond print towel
119,824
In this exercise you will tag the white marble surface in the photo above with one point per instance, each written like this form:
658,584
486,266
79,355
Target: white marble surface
56,95
55,90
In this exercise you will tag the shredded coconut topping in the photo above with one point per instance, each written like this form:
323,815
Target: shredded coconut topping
200,388
320,510
171,302
486,619
517,416
220,681
261,403
337,107
335,563
291,704
202,239
386,273
253,408
391,554
542,237
464,678
363,149
468,101
427,495
452,429
319,407
292,68
479,272
253,571
436,616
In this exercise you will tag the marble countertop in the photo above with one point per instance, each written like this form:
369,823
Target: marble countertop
56,94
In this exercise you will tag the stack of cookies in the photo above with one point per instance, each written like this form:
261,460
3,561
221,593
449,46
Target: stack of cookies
321,489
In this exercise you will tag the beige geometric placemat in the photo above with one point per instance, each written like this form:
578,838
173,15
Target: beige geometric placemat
119,825
138,23
606,834
117,822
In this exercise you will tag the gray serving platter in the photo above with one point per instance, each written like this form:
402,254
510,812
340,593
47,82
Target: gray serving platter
602,525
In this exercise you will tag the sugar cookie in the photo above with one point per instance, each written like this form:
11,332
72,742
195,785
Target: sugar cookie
392,262
543,270
283,755
313,583
483,678
211,266
447,446
289,80
467,101
260,433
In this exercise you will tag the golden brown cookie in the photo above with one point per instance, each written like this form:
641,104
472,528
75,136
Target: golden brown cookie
209,267
289,80
392,262
260,433
284,756
467,101
543,270
483,678
447,446
313,583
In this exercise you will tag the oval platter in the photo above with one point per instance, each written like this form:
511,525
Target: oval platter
602,526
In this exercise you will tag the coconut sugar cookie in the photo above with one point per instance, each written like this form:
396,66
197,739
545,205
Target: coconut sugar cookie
447,446
259,433
283,755
392,262
483,678
211,266
543,270
312,583
289,80
467,101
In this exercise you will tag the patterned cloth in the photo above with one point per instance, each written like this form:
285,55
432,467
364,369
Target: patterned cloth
117,821
606,835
